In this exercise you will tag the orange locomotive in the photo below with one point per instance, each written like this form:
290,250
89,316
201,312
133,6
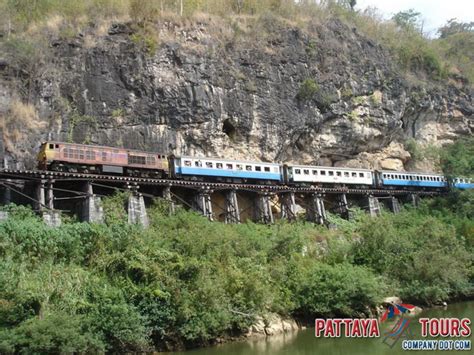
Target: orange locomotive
84,158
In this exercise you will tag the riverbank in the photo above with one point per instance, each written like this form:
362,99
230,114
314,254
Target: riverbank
186,282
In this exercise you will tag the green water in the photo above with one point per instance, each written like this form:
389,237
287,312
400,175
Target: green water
304,341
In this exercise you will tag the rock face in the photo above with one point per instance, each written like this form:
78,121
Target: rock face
200,93
272,324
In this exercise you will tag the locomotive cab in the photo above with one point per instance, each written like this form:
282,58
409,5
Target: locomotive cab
46,154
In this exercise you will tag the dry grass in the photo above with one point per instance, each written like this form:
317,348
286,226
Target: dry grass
18,123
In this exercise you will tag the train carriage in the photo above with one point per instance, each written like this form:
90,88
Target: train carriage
61,156
224,170
327,175
463,183
402,179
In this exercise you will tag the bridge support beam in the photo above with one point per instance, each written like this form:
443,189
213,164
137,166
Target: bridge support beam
203,203
394,205
167,196
5,194
374,206
288,206
415,200
45,203
232,213
92,210
263,208
136,208
342,206
316,212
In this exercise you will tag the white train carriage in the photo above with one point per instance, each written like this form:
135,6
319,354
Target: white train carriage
328,175
225,169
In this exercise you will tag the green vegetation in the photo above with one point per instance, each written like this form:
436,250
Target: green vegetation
307,90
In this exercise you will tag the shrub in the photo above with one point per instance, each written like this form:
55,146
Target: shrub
307,90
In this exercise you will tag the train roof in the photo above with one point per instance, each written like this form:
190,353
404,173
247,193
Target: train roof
102,147
408,173
328,167
226,160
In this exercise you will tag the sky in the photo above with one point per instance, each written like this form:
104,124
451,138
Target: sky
435,12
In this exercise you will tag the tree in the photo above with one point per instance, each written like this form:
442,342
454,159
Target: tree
453,27
408,20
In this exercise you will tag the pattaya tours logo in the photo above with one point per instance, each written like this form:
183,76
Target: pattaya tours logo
369,328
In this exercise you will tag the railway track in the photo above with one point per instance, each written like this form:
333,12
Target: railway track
38,175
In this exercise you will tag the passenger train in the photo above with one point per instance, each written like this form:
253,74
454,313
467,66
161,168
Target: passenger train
60,156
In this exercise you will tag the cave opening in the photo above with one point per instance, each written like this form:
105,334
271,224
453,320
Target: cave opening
229,129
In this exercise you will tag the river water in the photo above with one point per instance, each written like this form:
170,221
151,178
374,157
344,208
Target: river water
304,342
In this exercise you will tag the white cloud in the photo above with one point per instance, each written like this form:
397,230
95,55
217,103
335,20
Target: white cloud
434,12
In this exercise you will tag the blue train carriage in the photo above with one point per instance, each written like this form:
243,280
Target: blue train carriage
410,180
224,170
463,183
324,175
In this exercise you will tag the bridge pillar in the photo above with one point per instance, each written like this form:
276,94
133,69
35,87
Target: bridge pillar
316,211
5,194
415,200
394,205
374,206
3,216
40,196
92,210
263,208
232,213
167,196
342,206
136,208
51,217
203,203
288,206
45,203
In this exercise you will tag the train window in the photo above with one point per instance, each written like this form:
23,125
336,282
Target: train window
51,146
209,164
133,159
248,167
323,172
384,176
187,163
267,169
315,172
276,170
229,166
81,154
198,163
338,173
238,166
56,146
258,168
219,165
306,171
331,173
297,171
346,174
354,175
150,160
361,175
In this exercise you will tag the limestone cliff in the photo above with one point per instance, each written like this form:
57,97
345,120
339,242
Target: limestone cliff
327,95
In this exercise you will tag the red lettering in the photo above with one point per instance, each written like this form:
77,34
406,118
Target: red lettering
356,332
347,326
374,329
329,332
424,328
466,329
337,323
434,327
444,327
318,326
455,327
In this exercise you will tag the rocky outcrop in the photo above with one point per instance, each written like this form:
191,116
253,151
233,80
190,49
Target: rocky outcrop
237,96
271,324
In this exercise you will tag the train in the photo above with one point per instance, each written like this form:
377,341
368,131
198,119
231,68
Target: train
95,159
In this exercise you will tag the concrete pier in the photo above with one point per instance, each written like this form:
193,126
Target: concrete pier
92,210
232,213
263,208
374,206
394,205
136,208
288,206
203,204
315,211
